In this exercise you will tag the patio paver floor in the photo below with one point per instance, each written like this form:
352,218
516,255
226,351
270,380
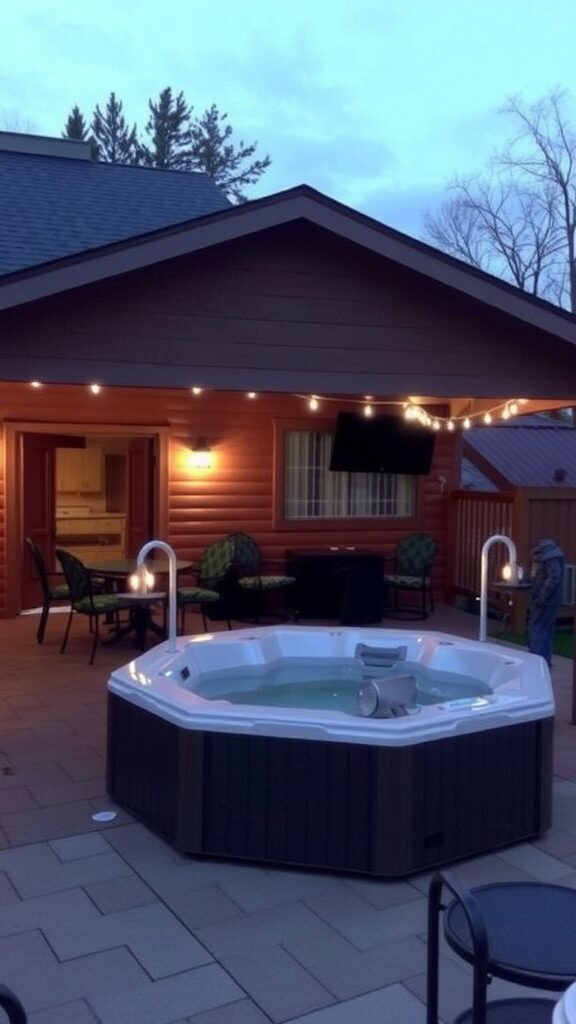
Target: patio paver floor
107,924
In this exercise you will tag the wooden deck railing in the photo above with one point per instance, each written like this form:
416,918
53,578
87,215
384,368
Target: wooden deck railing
526,514
473,517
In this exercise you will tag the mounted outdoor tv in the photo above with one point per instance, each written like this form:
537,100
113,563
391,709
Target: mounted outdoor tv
381,444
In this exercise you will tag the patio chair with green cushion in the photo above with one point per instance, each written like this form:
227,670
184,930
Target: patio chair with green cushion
412,565
51,591
212,588
84,600
253,584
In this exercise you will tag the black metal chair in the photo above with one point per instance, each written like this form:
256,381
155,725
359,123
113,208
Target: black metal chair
254,585
213,582
51,592
85,600
523,932
411,571
12,1006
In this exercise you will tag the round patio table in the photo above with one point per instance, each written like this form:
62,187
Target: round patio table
523,932
116,572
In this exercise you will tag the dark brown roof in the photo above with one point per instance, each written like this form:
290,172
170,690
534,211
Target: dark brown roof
299,203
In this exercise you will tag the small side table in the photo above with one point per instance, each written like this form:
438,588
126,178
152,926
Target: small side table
523,932
141,621
508,590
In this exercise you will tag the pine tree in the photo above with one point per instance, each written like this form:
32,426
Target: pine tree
176,141
116,143
76,127
169,130
214,154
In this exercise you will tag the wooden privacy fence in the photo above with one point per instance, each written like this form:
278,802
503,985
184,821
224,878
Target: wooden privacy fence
525,514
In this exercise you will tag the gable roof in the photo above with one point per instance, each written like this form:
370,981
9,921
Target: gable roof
89,263
54,207
526,453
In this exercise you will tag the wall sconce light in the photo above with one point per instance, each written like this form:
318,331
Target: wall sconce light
201,454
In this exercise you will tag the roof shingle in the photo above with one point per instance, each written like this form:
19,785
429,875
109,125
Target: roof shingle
54,207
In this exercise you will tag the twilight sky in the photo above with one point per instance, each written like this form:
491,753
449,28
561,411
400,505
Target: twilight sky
377,103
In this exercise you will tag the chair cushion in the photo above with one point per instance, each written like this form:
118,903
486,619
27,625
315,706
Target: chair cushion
59,592
265,582
101,603
196,595
408,582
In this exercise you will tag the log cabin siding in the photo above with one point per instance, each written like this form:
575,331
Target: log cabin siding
239,492
290,309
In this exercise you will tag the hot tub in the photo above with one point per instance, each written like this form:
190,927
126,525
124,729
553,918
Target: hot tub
193,754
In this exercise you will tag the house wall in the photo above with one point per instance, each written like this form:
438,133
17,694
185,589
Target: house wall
292,309
241,491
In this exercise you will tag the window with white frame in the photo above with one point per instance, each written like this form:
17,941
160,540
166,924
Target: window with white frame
312,491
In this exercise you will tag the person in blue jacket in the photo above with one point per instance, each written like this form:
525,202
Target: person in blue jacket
546,578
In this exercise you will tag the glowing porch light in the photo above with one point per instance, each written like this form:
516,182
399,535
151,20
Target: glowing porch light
35,383
95,389
196,391
368,410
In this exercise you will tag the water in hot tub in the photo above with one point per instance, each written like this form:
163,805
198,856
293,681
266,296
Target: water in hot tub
327,683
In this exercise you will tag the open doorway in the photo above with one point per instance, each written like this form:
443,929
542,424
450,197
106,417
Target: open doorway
104,497
94,494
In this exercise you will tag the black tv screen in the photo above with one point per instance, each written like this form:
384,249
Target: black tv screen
381,444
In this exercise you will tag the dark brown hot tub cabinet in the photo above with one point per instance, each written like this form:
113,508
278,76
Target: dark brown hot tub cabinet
384,811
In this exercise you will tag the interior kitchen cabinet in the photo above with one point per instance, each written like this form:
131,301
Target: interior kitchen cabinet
91,536
79,470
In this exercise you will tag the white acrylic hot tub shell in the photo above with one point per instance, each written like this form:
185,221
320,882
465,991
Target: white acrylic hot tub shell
520,683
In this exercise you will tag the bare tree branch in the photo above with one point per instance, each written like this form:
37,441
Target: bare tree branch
520,221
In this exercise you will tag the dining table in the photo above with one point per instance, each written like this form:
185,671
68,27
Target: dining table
116,572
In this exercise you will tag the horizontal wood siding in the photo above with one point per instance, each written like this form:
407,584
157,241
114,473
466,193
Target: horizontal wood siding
238,493
289,309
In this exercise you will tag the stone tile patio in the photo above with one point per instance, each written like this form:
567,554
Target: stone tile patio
106,923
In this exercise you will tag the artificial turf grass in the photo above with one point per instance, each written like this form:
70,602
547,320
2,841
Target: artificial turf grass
562,644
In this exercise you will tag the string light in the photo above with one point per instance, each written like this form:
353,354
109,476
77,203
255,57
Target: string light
411,409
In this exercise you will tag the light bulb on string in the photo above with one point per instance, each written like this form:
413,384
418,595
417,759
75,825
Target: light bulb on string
313,403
